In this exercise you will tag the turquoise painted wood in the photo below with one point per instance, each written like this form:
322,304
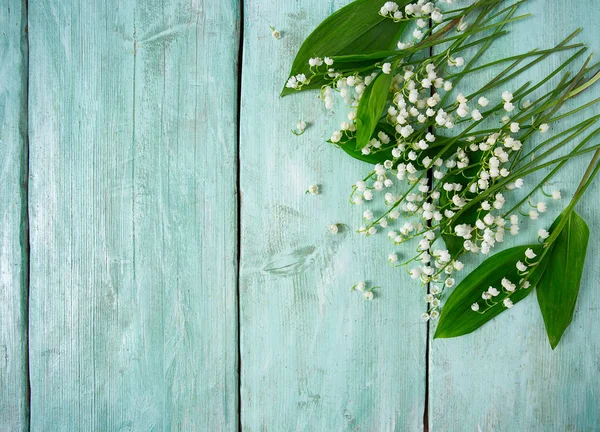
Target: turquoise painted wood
132,134
315,357
13,217
505,377
130,112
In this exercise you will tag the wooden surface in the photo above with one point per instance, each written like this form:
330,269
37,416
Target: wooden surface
128,114
324,358
505,377
13,217
133,314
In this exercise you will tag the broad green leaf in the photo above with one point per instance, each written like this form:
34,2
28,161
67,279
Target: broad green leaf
355,29
381,156
376,56
371,106
372,158
378,157
457,317
558,288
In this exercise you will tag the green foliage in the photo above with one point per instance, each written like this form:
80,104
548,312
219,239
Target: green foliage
372,158
360,40
458,318
558,288
454,244
355,29
371,107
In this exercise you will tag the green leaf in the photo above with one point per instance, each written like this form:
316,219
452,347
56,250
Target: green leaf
457,317
381,156
371,106
558,288
355,29
454,244
375,56
372,158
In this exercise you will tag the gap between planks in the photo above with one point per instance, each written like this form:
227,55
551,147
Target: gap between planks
25,206
240,64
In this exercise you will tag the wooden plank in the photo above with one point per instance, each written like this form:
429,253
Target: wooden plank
505,377
133,215
14,409
315,356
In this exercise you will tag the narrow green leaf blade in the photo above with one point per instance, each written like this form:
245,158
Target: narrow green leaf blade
355,29
457,317
370,108
558,288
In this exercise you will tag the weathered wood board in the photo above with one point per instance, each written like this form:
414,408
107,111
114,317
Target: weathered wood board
315,356
14,413
133,316
505,376
127,116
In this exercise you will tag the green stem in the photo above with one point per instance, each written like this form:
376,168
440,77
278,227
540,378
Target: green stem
517,57
586,181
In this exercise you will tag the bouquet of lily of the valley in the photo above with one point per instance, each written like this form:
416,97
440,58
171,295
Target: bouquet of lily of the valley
444,161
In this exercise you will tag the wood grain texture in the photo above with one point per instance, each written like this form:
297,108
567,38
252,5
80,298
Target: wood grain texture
505,377
133,215
13,217
315,356
133,308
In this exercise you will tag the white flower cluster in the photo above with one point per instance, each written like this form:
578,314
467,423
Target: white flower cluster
412,11
493,296
368,293
297,81
438,200
414,104
444,179
301,127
